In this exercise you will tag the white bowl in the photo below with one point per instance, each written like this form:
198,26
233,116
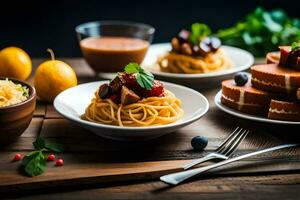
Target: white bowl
248,116
241,59
72,103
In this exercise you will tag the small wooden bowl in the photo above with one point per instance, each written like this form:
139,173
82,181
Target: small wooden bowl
16,118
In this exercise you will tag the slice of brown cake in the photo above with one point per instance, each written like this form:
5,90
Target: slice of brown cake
273,78
282,110
246,98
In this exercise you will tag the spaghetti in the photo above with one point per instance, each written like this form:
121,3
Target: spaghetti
11,93
180,63
149,111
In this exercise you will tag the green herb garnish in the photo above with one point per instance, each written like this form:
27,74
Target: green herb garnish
34,163
295,45
262,31
144,78
23,89
198,32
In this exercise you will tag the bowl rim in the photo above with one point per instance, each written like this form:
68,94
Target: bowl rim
31,97
78,28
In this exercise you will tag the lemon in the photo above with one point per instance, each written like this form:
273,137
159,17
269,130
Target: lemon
52,77
15,63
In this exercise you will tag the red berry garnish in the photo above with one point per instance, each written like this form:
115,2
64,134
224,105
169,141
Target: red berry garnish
17,157
59,162
115,98
284,53
51,157
129,81
156,91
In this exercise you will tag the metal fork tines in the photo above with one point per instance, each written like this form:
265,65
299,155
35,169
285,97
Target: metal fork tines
225,149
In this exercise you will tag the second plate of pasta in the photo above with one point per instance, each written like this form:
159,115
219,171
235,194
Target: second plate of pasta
228,61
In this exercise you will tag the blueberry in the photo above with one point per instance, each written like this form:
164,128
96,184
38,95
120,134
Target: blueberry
241,78
199,143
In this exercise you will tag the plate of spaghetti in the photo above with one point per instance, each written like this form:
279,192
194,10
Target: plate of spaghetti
131,106
195,57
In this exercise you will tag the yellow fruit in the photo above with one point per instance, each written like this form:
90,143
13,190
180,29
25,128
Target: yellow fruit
52,77
15,63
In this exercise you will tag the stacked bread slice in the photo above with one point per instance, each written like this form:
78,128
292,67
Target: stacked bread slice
273,92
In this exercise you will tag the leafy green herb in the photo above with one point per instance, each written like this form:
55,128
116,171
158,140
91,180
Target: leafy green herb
23,89
198,32
39,143
144,78
34,163
55,147
295,45
262,31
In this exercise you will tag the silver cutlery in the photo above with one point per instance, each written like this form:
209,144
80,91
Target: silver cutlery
223,152
175,178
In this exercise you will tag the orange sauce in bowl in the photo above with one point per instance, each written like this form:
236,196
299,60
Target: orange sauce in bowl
111,54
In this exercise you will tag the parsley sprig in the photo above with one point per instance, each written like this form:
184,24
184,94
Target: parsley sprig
295,45
198,32
34,163
262,31
144,78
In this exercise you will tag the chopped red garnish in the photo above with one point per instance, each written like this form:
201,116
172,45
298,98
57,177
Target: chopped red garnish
284,53
51,157
17,157
129,81
113,89
59,162
115,98
156,91
292,60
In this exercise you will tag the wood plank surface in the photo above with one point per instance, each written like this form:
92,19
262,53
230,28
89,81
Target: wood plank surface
99,168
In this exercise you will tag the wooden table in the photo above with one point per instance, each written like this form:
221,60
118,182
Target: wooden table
277,177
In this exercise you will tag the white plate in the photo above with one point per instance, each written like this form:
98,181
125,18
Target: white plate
248,116
72,103
241,59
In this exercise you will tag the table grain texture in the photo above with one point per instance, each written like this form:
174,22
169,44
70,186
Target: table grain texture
271,176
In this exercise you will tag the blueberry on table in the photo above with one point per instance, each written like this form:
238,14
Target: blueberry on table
199,143
241,78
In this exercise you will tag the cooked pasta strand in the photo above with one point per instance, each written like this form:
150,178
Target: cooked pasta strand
180,63
147,112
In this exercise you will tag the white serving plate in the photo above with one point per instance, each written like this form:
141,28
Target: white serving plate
72,103
248,116
241,59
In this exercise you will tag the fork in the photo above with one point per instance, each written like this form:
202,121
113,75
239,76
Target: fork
223,152
178,177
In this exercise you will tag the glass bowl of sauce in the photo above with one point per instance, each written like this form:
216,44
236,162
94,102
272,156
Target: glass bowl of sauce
108,46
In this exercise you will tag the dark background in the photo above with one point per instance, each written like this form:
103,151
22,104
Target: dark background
38,25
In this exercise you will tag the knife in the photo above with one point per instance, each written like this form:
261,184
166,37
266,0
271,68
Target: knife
176,178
